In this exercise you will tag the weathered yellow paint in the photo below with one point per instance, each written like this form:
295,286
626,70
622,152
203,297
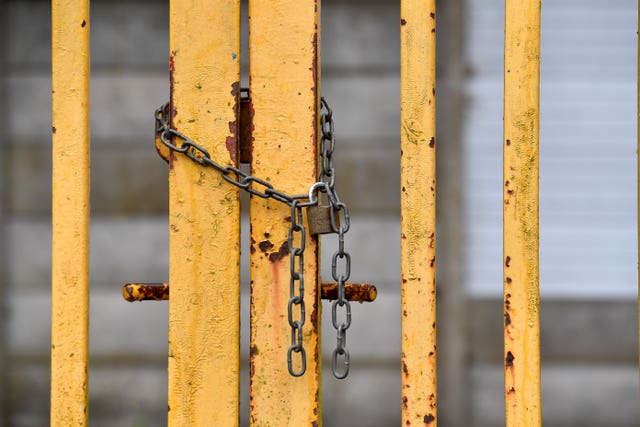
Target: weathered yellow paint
521,237
418,210
284,51
204,217
70,213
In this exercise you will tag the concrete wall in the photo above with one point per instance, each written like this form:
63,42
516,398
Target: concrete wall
589,347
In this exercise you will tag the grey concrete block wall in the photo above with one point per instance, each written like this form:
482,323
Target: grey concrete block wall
129,235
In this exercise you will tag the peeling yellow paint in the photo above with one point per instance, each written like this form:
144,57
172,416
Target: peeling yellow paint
418,211
204,309
521,237
284,58
70,213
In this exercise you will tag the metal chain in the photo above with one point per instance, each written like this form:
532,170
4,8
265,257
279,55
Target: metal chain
296,259
341,212
340,222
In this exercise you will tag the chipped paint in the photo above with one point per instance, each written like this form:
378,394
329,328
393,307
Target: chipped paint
521,242
417,199
204,216
283,42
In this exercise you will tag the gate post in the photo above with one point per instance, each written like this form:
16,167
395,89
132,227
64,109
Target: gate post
204,216
418,210
521,235
284,58
70,213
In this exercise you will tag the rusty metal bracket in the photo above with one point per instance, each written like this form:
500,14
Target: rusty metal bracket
245,131
360,292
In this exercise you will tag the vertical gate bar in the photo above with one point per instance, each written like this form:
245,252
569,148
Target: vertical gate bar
418,210
204,216
70,212
521,236
284,58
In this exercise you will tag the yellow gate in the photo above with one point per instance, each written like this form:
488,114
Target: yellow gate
279,129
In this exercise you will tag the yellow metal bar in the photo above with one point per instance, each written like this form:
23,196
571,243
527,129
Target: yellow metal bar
521,237
284,53
418,210
204,216
70,213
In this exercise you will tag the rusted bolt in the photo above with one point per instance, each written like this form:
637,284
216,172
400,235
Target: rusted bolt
360,292
145,291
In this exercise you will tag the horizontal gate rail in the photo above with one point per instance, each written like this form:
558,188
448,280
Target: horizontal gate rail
70,213
521,223
418,210
204,217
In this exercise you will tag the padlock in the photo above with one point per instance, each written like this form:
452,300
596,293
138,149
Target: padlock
320,219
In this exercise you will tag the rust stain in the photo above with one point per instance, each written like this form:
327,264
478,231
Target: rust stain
403,21
313,317
507,261
432,142
405,369
245,133
314,72
53,129
231,141
281,253
265,245
428,419
508,142
83,24
432,15
173,111
508,360
405,401
254,350
507,319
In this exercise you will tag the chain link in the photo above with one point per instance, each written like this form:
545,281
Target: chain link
340,222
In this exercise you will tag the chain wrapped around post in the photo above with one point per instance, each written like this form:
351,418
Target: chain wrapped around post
339,219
